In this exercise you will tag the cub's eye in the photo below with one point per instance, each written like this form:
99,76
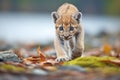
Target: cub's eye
61,28
71,28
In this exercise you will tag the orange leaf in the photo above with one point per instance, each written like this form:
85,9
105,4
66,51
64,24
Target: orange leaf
31,60
42,56
107,48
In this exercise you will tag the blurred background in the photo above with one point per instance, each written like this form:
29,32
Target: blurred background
30,21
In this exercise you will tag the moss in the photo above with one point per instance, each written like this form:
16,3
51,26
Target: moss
93,62
7,67
96,63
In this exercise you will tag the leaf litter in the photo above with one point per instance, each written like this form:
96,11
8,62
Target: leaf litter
44,64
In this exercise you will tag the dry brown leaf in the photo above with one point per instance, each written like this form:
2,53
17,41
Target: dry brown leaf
46,64
42,56
107,48
50,68
41,60
31,60
60,63
50,62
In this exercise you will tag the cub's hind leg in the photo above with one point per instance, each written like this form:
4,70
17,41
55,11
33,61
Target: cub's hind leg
79,45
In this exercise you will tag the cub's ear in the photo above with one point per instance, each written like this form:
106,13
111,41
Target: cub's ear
77,16
55,16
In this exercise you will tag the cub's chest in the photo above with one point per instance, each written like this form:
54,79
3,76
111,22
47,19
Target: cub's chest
69,44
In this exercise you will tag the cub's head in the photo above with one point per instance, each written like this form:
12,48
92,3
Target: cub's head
66,25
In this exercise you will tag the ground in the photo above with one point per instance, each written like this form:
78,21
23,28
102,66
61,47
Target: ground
21,64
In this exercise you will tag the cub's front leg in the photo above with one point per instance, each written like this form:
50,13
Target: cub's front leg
61,51
67,47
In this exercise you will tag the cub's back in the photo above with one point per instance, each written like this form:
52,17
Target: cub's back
67,9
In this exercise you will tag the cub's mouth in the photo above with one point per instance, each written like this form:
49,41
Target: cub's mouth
66,37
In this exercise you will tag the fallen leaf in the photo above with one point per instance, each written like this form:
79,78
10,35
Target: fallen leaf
50,68
107,48
42,56
31,60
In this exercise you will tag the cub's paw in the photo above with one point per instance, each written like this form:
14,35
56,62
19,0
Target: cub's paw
62,59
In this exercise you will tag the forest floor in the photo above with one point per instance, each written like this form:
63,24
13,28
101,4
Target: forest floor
32,63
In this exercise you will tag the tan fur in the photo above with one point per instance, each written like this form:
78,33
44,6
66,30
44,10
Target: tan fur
72,46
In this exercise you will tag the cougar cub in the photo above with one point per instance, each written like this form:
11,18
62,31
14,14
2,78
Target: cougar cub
69,40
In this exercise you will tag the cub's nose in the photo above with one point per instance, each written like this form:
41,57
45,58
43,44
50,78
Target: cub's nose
66,37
